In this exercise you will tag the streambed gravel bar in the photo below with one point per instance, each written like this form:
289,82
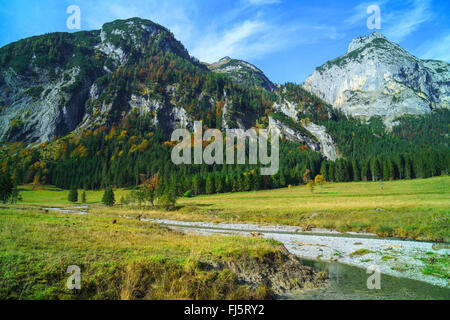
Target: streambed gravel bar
400,258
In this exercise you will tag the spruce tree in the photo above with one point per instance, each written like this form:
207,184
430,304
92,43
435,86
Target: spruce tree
6,187
247,182
108,197
219,183
356,171
73,195
209,187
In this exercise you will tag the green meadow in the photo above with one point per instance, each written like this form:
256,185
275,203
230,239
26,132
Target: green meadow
414,209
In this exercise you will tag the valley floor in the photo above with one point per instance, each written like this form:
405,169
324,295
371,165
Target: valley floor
124,256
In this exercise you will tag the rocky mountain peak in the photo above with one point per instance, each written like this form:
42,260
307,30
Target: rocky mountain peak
360,42
121,37
379,78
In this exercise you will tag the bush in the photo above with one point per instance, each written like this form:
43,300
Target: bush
167,201
385,231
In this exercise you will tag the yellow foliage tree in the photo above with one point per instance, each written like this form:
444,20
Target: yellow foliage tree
320,180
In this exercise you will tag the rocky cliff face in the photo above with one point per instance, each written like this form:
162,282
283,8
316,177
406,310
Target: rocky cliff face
48,83
378,78
242,72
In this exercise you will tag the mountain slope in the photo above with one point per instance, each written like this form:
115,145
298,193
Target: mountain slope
379,78
46,82
56,84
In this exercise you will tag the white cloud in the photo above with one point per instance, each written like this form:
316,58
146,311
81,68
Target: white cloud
438,49
397,24
237,42
256,38
262,2
402,24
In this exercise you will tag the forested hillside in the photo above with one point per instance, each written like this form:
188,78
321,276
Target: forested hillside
96,109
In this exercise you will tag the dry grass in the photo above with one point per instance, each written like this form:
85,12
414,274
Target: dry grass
123,260
415,209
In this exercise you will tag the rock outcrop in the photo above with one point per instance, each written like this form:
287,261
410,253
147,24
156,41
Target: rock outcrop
378,78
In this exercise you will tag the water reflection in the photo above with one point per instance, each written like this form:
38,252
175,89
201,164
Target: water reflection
350,283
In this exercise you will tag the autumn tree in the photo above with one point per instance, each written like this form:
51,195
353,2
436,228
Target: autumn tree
320,180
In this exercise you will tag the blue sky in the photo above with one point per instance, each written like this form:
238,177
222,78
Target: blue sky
287,39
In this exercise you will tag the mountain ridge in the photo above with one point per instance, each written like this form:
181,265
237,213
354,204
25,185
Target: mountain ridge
89,79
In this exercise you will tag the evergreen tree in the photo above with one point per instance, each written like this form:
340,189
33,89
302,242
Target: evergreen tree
331,171
283,182
324,170
219,182
108,197
6,187
210,186
356,172
83,197
376,171
73,195
247,182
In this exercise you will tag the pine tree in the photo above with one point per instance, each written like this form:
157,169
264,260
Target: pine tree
83,197
73,195
210,186
15,195
324,171
376,171
108,197
219,181
247,183
6,187
331,171
282,180
356,171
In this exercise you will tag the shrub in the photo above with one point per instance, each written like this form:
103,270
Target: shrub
167,201
385,231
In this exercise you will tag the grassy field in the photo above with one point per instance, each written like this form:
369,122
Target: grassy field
414,209
124,258
120,259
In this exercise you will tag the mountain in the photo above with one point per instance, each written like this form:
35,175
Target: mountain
60,83
94,109
48,83
242,72
378,78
